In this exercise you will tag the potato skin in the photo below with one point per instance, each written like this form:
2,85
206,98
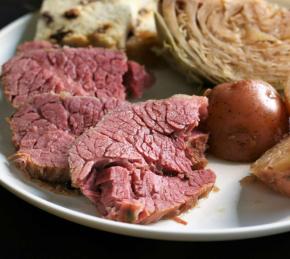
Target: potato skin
246,118
287,95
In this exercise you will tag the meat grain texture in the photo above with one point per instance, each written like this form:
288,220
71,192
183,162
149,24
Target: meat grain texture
45,128
145,162
39,68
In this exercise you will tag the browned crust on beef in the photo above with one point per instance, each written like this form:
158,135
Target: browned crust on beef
25,163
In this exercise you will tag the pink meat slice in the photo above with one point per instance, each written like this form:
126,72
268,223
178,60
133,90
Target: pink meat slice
145,162
45,128
36,45
137,79
41,67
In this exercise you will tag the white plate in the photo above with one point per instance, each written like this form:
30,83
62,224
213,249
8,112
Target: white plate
235,212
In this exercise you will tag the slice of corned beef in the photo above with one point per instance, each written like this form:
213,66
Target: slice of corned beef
80,71
145,162
45,128
34,45
137,79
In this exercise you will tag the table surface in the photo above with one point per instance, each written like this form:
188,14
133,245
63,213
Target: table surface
27,232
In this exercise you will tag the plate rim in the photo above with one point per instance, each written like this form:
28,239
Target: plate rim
218,234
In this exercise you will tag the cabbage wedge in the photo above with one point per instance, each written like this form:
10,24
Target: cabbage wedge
226,40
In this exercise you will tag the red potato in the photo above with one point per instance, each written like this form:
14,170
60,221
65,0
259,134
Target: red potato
287,95
246,118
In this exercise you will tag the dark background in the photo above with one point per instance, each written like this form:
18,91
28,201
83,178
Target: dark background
27,232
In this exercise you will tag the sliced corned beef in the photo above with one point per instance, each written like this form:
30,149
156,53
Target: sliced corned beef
80,71
137,79
34,45
45,128
145,162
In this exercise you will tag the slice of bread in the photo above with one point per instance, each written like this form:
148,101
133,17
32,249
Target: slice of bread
143,18
118,24
85,22
143,33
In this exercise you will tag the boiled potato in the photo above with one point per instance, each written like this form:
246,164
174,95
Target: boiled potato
246,118
273,168
287,95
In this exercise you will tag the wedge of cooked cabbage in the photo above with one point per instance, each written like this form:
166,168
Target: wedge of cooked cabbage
226,40
273,168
